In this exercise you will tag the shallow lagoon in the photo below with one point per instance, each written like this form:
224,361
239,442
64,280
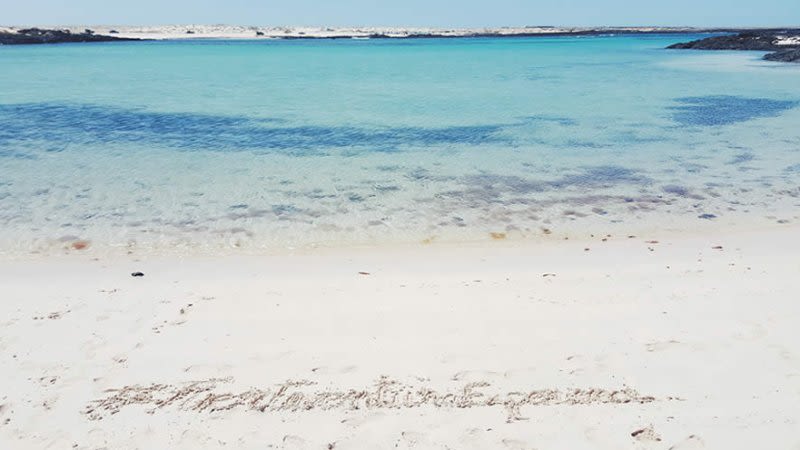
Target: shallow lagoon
216,146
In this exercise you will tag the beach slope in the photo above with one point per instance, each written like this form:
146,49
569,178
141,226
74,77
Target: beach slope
615,343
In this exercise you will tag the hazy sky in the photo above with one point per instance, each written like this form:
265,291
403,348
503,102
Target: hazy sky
439,13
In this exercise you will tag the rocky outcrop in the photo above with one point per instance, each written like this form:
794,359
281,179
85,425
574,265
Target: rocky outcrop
792,55
784,43
41,36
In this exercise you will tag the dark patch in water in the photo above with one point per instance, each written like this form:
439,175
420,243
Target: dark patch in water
593,177
680,191
355,198
503,183
693,167
636,137
600,176
389,188
394,168
564,121
422,174
91,124
8,153
318,194
535,77
707,216
281,210
585,144
794,168
742,158
715,110
492,188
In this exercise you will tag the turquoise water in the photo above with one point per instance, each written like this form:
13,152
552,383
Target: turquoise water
252,146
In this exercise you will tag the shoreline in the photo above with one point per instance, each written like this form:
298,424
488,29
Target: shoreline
706,354
224,32
549,244
86,250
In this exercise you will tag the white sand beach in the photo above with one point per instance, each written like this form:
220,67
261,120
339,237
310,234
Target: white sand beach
329,226
646,342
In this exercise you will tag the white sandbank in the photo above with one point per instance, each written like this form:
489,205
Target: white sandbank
791,40
252,32
689,342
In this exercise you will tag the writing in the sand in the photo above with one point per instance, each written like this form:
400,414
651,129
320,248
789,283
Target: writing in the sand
296,396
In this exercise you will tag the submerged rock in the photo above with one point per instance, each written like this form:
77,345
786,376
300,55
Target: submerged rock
784,43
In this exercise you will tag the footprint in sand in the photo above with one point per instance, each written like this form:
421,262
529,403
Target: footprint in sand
348,369
515,444
750,332
292,442
5,410
328,370
91,346
361,419
661,346
474,438
47,380
693,442
646,434
48,403
574,364
55,315
475,375
410,439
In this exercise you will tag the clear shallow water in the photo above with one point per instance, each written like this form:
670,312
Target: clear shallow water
258,146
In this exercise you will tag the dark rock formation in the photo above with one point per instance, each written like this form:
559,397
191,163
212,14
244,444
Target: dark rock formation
40,36
755,40
741,41
792,55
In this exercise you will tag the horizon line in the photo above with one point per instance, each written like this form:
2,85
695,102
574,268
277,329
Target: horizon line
187,24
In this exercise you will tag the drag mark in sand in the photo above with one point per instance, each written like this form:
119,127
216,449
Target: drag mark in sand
298,396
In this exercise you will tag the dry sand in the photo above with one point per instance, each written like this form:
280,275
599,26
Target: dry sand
683,343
